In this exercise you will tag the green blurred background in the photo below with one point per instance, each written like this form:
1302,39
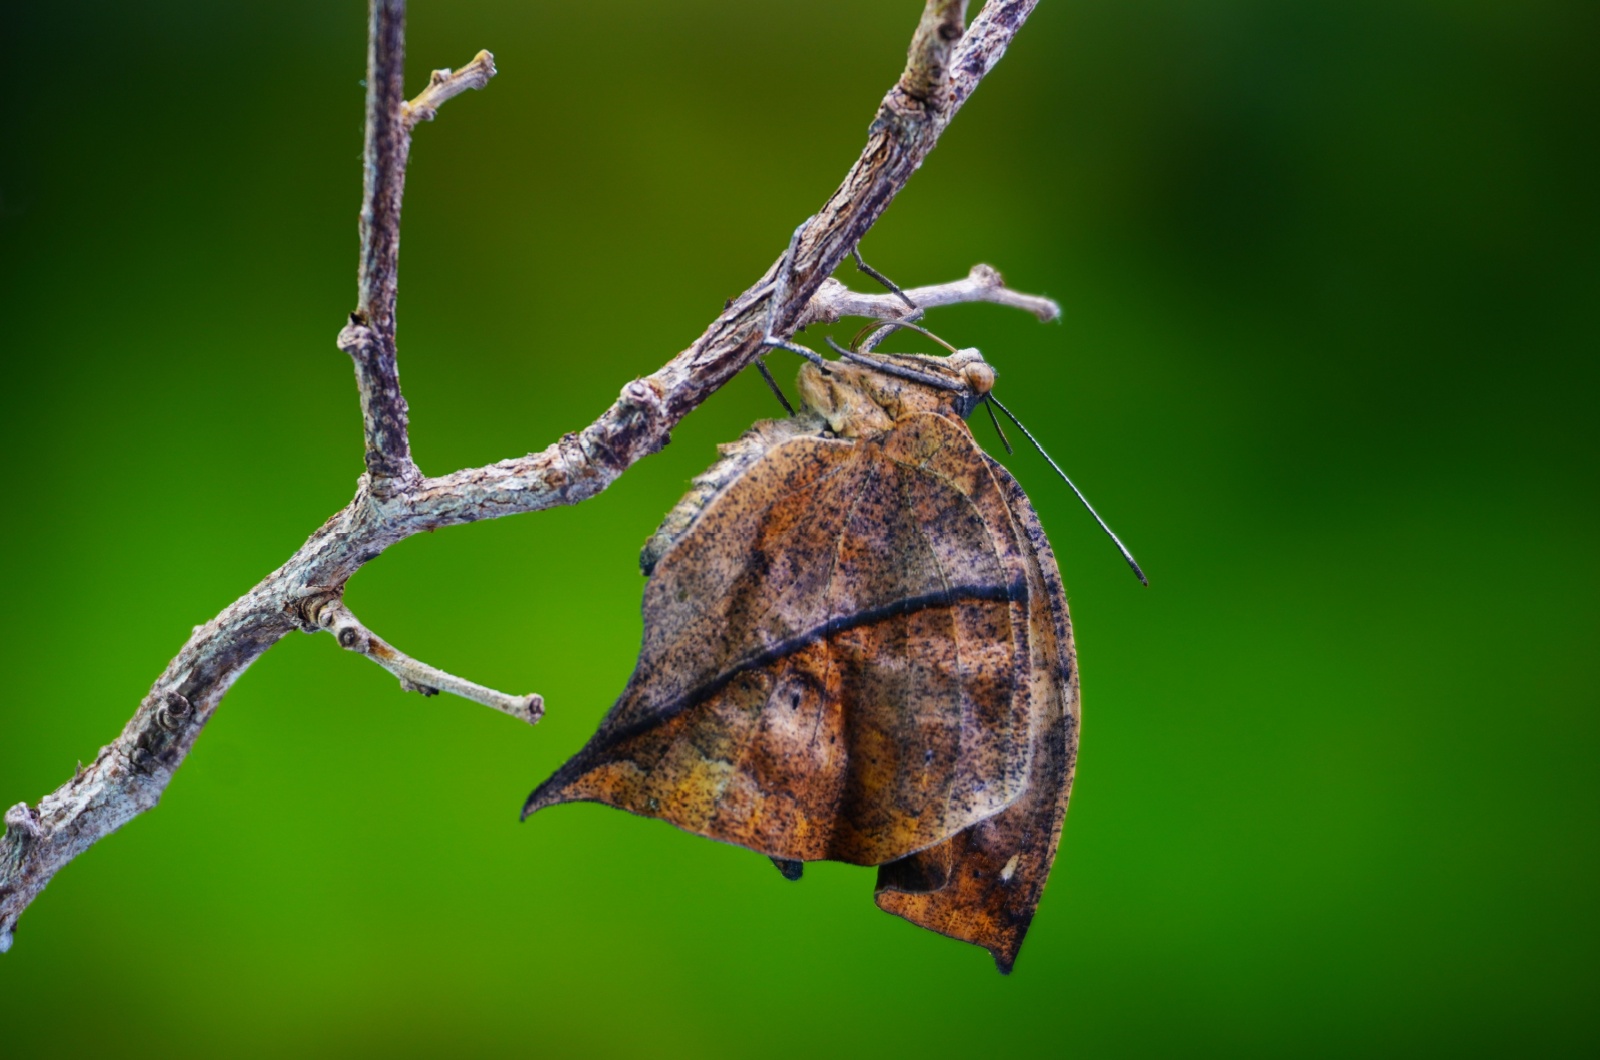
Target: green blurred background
1330,279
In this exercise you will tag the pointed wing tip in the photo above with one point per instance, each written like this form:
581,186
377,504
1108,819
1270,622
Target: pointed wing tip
557,787
547,794
1004,961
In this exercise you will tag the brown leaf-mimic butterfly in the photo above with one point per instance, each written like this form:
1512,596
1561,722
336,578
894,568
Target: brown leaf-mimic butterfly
857,648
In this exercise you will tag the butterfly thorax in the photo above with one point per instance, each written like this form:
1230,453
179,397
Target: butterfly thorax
858,400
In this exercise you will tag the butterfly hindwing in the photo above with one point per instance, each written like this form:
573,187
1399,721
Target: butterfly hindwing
983,884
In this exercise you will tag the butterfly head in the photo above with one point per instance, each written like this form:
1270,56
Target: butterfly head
976,373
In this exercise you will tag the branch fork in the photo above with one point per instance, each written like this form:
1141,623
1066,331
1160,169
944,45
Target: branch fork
394,500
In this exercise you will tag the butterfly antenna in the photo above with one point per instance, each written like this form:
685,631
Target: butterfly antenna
1109,533
998,429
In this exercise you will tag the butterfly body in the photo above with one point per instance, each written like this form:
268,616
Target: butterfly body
857,648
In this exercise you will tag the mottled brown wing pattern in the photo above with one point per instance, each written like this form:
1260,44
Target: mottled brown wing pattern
836,659
733,460
983,885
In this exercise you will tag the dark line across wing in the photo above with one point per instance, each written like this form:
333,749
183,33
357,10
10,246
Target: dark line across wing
1016,591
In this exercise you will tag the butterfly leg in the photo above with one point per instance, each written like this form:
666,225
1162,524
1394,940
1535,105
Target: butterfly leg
862,266
766,373
871,341
780,291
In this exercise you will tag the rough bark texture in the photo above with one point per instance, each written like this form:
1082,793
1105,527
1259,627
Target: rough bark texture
369,338
394,500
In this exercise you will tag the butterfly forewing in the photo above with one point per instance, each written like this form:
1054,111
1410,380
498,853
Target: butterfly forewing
836,660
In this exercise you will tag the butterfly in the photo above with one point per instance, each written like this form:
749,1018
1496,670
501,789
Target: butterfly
857,648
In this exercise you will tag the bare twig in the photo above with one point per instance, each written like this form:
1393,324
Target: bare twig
369,338
393,501
448,84
983,284
415,676
928,61
983,46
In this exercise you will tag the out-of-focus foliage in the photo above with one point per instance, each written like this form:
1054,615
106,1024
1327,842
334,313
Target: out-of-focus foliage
1330,276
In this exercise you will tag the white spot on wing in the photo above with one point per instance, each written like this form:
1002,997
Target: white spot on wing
1011,867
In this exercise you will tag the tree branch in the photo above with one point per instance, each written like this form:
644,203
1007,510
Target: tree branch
393,501
581,465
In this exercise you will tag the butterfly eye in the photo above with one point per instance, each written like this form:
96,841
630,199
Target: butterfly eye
979,376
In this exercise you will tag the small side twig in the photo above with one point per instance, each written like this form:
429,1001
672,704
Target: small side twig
984,283
928,58
447,84
416,676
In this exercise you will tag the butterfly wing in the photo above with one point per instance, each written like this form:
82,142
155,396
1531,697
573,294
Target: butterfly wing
983,885
835,661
